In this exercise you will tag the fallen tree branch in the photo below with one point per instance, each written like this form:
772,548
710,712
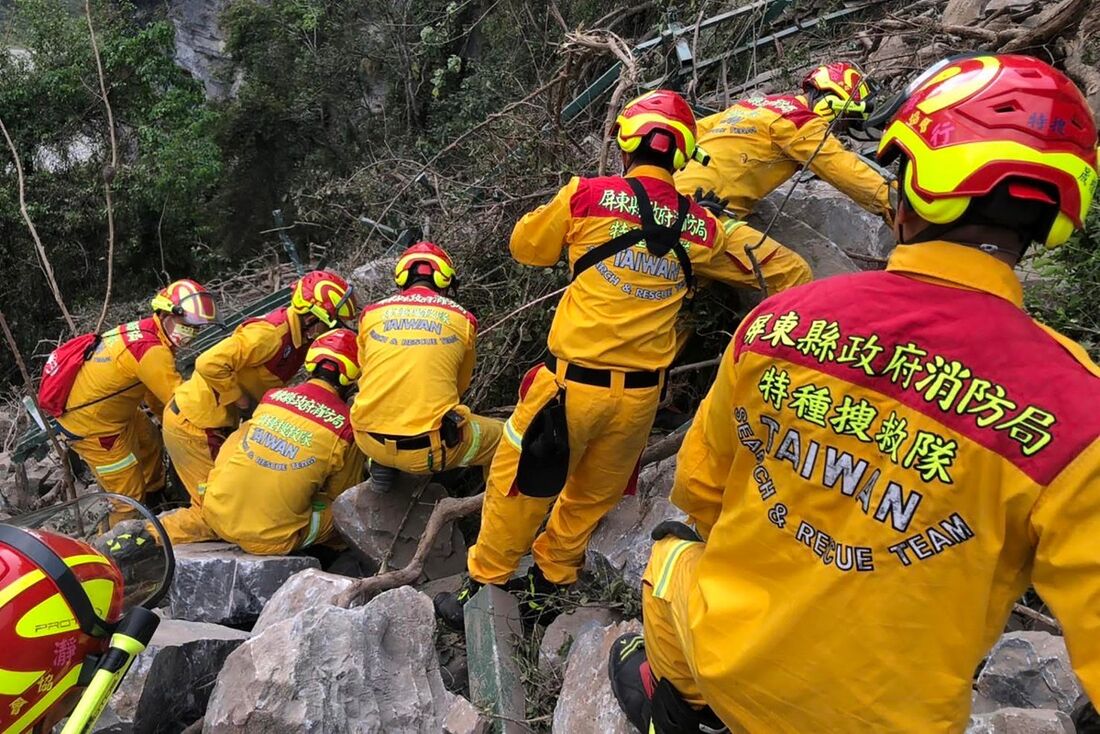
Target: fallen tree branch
693,366
59,452
109,171
446,511
1026,611
1052,21
43,261
609,43
665,447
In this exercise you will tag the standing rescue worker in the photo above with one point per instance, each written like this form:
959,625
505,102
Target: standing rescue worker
760,142
131,364
417,350
574,440
231,377
274,481
888,459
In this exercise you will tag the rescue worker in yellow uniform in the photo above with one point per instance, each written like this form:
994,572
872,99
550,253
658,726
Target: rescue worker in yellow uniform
274,481
635,247
133,364
888,459
760,142
417,351
231,377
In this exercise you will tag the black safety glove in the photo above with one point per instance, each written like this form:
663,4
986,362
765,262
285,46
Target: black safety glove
676,528
711,202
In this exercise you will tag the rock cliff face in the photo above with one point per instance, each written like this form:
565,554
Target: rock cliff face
200,44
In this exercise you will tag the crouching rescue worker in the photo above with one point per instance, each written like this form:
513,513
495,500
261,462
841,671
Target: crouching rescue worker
231,377
275,479
72,618
888,459
574,440
417,350
760,142
95,386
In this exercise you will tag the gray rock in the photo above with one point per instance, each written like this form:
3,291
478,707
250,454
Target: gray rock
962,12
463,718
586,702
620,546
822,224
370,669
1008,6
220,583
200,43
1021,721
559,636
492,631
1030,670
169,684
373,280
367,521
891,57
305,588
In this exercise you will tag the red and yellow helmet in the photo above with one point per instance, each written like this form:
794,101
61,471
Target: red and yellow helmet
975,123
188,300
338,348
325,295
663,121
840,87
424,258
59,597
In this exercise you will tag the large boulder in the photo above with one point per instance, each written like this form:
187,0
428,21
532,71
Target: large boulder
220,583
364,670
1021,721
826,227
586,702
620,546
560,635
169,684
305,588
1030,670
368,521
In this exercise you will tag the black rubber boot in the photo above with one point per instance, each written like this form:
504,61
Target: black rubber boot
631,680
540,601
449,605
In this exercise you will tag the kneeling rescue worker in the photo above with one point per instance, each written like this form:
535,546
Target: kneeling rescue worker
231,377
418,350
95,386
275,479
760,142
888,459
72,619
635,247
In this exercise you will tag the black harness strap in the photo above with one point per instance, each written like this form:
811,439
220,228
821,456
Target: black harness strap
658,238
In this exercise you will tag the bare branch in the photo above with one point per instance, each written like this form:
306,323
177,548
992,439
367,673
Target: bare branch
42,259
446,511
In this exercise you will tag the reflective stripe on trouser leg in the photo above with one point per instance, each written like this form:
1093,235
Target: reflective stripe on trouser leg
115,467
475,444
314,524
669,649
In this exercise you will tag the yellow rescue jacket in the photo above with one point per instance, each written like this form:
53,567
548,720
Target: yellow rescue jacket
416,351
760,142
884,464
259,355
621,313
132,363
297,449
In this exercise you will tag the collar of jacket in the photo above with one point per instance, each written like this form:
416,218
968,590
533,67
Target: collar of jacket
162,334
957,266
294,323
647,171
323,384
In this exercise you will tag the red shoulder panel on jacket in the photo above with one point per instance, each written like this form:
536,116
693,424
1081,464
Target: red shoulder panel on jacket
315,403
611,196
140,337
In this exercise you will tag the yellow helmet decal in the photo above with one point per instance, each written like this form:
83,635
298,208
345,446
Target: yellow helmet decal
54,614
953,88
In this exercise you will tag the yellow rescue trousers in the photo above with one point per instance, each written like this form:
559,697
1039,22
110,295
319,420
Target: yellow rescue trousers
480,436
608,428
666,586
192,450
321,530
782,267
130,462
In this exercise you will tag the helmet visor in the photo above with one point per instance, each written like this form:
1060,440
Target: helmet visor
138,547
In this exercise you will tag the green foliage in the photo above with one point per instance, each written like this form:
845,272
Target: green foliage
1067,296
170,164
